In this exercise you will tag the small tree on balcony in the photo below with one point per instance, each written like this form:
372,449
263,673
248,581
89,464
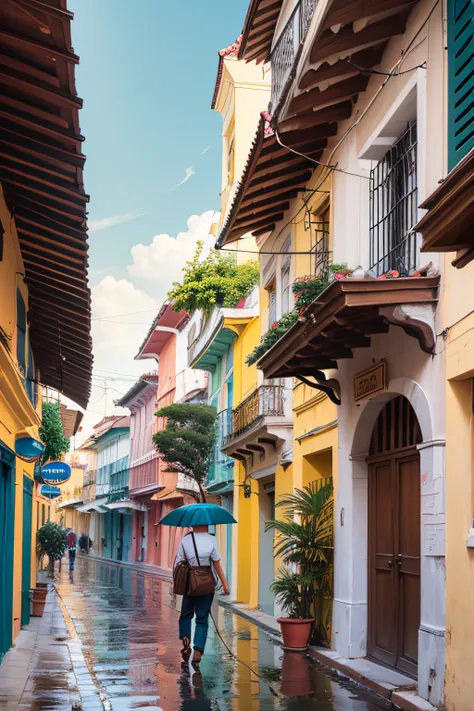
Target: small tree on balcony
186,444
51,432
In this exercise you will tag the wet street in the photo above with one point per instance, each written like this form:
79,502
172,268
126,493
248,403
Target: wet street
127,621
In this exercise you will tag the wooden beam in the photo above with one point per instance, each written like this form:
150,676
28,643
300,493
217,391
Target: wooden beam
44,49
330,43
280,180
366,59
271,214
257,224
37,88
320,132
338,112
343,13
334,94
251,212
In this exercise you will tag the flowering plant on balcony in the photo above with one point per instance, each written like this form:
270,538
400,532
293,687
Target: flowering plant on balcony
216,280
276,331
306,290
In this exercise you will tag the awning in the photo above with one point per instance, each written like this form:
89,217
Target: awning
259,28
448,225
41,172
345,316
127,504
272,177
87,508
72,503
167,494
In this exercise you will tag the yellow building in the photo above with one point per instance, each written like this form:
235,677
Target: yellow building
44,297
448,226
300,414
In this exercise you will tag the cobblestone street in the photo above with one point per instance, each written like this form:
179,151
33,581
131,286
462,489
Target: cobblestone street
127,624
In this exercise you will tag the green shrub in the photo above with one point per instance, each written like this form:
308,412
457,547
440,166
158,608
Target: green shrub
51,540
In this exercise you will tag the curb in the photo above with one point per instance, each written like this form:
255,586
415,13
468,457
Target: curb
152,570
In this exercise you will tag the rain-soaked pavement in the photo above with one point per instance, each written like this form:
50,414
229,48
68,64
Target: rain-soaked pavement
127,621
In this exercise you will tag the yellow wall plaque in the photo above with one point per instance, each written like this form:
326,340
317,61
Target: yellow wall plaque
370,381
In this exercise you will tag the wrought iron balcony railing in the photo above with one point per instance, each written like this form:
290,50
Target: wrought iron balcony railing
286,49
266,401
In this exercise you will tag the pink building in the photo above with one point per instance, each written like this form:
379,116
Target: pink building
155,490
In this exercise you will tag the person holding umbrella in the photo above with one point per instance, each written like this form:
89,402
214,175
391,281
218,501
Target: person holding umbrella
196,567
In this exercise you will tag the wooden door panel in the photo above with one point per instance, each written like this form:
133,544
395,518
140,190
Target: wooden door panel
382,582
408,560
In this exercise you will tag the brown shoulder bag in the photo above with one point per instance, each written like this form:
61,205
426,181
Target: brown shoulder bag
193,580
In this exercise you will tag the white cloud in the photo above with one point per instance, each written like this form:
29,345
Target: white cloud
189,174
159,264
104,222
116,343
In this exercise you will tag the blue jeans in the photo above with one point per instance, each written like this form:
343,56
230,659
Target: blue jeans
72,558
201,607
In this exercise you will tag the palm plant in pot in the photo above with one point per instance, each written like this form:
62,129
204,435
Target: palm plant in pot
303,542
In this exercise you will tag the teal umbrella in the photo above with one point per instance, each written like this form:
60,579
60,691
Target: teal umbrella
197,515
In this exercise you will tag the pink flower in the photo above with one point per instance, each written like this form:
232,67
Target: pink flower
274,325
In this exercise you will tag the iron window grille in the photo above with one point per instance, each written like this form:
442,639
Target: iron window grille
320,257
393,208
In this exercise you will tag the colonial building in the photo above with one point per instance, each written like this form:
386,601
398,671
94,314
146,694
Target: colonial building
349,150
44,296
158,490
448,227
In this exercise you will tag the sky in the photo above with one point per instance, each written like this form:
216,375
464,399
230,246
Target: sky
153,171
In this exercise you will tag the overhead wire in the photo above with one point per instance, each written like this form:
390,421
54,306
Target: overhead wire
328,166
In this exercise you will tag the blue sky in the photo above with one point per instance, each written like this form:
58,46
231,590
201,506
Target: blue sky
146,75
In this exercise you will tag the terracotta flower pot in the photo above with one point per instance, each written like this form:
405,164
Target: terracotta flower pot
295,633
40,593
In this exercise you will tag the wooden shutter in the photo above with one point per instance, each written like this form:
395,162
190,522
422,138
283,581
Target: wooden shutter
460,79
272,308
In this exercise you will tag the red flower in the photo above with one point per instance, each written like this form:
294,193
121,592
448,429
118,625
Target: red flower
339,275
274,325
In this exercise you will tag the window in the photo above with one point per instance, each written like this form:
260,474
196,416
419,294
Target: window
393,208
272,314
31,384
230,162
320,254
21,332
285,288
460,79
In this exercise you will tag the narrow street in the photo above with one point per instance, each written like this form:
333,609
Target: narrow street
127,624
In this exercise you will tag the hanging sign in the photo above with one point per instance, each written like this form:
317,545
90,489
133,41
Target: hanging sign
29,448
50,492
370,381
56,473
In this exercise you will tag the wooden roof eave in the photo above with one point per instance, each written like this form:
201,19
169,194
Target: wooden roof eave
353,308
448,225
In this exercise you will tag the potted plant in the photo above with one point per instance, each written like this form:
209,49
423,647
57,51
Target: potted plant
303,542
51,540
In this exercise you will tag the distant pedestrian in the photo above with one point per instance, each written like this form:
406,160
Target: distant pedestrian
71,544
84,543
199,549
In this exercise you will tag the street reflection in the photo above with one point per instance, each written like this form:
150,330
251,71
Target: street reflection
127,622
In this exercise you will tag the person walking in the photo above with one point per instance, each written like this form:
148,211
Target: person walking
71,544
84,543
202,551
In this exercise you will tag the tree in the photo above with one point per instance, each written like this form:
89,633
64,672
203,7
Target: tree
216,280
186,444
51,540
51,432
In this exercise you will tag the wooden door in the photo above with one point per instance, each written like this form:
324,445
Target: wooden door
394,539
26,549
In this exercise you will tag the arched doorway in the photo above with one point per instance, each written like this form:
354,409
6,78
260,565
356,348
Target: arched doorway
394,534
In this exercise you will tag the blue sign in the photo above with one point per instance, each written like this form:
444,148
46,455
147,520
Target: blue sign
29,448
50,492
56,473
37,474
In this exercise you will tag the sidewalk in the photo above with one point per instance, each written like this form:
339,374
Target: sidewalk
46,667
148,568
400,690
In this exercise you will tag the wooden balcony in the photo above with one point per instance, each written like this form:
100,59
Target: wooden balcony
266,401
261,429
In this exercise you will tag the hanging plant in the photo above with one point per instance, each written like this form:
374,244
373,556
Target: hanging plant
275,332
216,280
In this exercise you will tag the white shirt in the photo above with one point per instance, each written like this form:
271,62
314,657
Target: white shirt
207,548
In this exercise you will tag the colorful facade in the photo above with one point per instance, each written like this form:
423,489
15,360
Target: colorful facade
155,489
42,239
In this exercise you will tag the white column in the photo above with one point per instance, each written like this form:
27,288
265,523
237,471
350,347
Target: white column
431,638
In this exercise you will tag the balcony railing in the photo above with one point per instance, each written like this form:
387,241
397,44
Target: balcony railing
266,401
222,466
119,481
286,49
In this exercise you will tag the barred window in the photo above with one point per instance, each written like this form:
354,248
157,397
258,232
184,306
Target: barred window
393,207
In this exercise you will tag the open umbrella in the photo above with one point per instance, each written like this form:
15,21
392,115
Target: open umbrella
197,515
